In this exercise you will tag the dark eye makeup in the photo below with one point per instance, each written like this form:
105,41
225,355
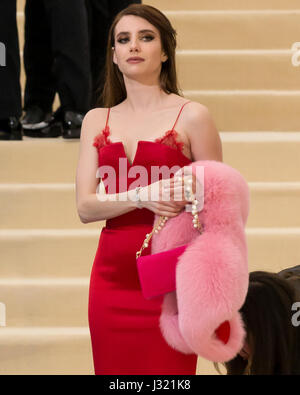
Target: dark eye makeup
123,40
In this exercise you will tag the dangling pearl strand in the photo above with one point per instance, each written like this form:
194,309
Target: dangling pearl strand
163,219
191,197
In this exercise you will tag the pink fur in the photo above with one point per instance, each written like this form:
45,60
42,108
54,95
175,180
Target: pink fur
212,273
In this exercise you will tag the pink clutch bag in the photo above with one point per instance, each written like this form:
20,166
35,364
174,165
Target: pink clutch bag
157,272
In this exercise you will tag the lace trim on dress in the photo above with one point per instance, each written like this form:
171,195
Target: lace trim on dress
169,138
102,138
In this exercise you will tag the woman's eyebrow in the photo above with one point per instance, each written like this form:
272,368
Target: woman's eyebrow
141,31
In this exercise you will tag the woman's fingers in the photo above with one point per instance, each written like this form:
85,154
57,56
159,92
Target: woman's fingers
176,188
174,193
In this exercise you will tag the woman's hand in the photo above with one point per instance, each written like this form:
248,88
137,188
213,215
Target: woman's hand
167,197
154,199
183,183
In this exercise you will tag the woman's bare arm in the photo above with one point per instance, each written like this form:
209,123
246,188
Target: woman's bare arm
89,207
204,138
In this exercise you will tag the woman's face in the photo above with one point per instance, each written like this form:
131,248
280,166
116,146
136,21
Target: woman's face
136,37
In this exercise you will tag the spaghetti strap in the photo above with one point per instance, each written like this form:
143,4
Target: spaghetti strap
107,118
102,138
180,113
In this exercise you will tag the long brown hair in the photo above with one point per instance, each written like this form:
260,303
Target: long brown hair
114,91
273,340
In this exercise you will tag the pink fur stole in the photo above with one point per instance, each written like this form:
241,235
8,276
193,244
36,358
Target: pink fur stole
212,273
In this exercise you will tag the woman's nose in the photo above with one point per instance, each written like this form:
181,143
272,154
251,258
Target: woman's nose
134,45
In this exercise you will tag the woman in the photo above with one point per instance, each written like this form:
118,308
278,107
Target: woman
135,134
272,346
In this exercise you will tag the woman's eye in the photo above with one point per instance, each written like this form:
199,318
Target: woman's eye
149,37
125,39
121,40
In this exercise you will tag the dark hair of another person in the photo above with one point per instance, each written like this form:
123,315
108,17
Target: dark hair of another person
273,341
114,91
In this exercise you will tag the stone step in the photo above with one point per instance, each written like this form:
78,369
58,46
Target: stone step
39,160
263,156
57,254
241,29
45,351
51,302
54,351
45,302
48,206
274,204
237,69
44,206
50,253
254,154
251,110
31,160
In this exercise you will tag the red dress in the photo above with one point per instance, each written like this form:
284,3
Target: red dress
124,326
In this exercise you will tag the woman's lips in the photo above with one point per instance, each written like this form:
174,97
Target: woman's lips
135,60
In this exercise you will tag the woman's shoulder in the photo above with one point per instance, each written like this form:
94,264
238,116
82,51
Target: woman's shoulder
95,119
93,123
195,110
96,114
196,115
